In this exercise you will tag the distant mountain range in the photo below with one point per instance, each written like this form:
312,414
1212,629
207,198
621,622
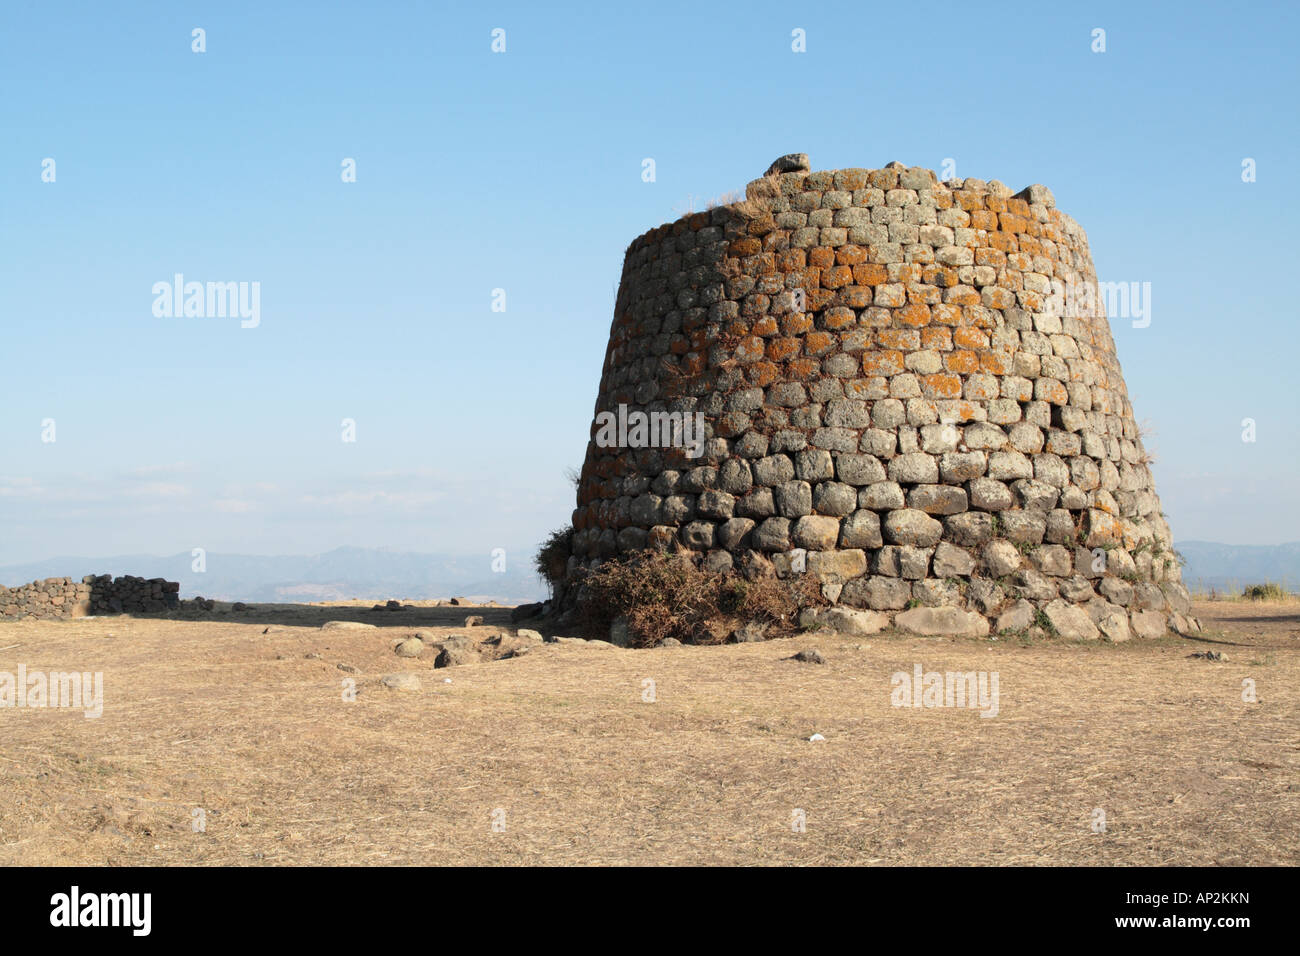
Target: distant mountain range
1226,566
338,575
376,574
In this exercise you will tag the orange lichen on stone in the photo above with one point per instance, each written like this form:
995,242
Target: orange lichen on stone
905,340
804,368
821,257
963,362
870,273
836,277
778,350
819,343
939,385
850,255
936,337
914,314
996,363
884,362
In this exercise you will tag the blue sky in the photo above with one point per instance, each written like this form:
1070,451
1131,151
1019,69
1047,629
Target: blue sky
522,171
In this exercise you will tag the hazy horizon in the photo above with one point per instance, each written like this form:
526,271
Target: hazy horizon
127,431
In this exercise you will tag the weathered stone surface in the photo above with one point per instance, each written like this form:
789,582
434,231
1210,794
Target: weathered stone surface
951,561
889,359
401,681
1018,617
909,526
816,532
1000,558
1148,624
455,651
1071,621
847,620
937,621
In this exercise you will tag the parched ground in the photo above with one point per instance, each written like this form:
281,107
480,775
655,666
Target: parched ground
556,757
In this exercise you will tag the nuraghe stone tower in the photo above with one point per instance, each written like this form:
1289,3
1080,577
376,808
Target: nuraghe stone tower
906,391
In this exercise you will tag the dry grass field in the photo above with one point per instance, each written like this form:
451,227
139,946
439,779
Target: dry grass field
559,746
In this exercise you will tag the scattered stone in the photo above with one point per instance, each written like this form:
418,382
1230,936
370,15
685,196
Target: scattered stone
525,611
474,620
347,626
816,738
1210,656
456,651
809,656
620,632
346,668
669,642
411,647
530,635
748,634
400,681
312,656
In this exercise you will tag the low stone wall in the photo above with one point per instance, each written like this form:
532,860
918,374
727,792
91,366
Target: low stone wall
57,598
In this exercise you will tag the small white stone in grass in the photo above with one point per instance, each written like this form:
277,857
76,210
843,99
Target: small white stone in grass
446,680
815,737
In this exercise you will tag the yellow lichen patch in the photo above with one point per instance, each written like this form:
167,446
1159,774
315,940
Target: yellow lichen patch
885,362
940,385
962,362
915,314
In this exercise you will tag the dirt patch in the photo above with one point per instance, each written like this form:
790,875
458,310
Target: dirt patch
580,752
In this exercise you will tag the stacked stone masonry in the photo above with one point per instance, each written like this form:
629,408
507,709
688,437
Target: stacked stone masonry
57,598
900,395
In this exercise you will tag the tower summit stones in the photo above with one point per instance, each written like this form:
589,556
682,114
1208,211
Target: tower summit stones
903,395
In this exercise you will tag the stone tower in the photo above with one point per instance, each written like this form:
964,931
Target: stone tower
905,388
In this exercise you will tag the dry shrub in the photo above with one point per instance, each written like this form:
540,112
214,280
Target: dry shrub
663,595
1269,591
552,557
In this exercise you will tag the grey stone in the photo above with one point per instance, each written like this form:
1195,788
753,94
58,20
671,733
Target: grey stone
951,561
797,163
845,620
859,469
910,526
942,621
772,535
1071,621
937,499
989,495
809,656
1018,617
816,532
1148,624
914,468
968,529
1000,558
881,496
861,530
400,681
793,499
835,498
